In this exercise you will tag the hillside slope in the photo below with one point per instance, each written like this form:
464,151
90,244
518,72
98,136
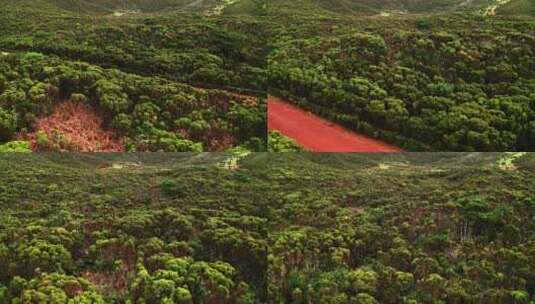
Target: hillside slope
423,82
110,6
274,228
517,7
172,53
401,228
118,227
375,7
389,7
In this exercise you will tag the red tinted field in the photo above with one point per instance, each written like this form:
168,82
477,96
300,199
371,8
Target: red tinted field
74,127
316,134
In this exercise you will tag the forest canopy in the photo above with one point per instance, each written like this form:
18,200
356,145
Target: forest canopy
450,82
171,81
272,228
150,113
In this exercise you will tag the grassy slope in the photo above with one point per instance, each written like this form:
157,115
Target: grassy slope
101,7
246,7
373,7
354,7
518,7
109,6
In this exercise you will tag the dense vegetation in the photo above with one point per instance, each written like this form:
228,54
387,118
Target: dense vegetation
221,51
119,7
445,75
280,143
141,228
374,7
517,7
402,228
152,113
275,228
164,82
451,82
15,146
111,6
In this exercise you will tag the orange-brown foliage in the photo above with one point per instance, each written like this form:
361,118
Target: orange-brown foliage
74,127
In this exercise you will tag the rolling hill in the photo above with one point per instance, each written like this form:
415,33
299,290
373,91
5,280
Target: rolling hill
104,7
517,7
402,7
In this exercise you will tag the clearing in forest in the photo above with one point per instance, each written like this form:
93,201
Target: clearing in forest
317,134
73,126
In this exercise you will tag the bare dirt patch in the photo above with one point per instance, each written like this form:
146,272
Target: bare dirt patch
73,127
317,134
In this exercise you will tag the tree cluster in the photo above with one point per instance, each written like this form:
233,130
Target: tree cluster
152,114
422,84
